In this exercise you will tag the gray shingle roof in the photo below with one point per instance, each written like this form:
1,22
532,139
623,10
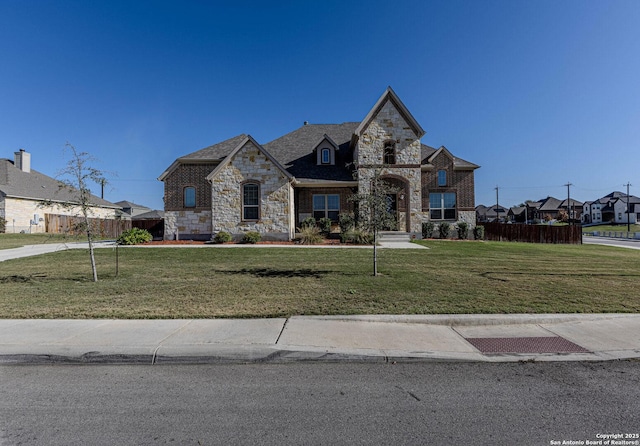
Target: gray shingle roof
295,151
215,152
37,186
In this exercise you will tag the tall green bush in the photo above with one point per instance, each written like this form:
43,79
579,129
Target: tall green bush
346,222
308,222
428,228
444,229
463,229
478,233
324,224
3,225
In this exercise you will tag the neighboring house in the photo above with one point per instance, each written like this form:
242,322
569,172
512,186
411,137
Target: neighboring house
131,209
23,190
239,185
517,214
592,212
549,208
486,214
614,208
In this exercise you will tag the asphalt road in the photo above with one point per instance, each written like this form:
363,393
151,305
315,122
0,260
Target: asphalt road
319,403
620,243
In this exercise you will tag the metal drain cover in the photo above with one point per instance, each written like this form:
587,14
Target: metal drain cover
547,344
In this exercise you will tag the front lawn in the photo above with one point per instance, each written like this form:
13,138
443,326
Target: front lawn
8,241
450,277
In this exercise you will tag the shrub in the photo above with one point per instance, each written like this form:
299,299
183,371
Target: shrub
134,236
222,237
463,230
251,237
444,229
428,228
310,235
357,237
3,225
308,222
347,222
478,233
325,225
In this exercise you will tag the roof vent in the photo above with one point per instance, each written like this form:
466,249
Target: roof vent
22,160
306,122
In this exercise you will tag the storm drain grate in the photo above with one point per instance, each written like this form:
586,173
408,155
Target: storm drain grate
550,344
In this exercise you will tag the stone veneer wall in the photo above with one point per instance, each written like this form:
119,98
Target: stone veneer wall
276,195
388,124
19,212
187,225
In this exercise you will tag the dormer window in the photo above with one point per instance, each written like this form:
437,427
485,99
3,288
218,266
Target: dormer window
325,156
389,152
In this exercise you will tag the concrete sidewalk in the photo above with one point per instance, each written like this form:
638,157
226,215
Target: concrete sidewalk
386,338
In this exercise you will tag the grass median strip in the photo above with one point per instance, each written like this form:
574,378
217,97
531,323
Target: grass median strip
451,277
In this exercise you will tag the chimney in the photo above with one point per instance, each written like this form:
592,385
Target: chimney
22,160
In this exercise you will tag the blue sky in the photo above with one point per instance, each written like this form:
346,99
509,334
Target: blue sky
538,93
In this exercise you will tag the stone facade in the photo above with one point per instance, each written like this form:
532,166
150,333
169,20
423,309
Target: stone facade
389,128
250,164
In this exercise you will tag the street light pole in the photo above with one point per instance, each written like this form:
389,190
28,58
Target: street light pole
628,208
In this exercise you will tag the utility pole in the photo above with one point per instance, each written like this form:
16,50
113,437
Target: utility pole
497,205
628,207
569,201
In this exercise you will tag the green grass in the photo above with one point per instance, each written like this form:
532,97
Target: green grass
613,228
8,241
451,277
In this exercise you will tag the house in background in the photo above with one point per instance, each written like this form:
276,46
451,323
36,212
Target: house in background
592,212
240,185
614,208
131,209
493,213
23,190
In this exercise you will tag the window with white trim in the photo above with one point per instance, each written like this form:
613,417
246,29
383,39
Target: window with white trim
442,206
326,206
251,201
325,156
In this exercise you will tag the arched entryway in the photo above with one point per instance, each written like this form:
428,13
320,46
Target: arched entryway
398,202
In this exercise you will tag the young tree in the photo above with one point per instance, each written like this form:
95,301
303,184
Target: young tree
374,210
75,179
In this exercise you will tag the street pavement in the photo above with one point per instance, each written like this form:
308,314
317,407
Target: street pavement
388,338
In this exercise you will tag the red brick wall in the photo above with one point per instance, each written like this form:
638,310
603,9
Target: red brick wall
304,199
459,181
186,175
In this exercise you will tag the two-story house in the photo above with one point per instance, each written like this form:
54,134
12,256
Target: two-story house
240,185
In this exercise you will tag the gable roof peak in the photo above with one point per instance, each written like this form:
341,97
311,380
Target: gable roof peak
390,95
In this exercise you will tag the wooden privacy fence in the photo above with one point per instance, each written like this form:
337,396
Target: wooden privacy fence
570,234
102,227
155,226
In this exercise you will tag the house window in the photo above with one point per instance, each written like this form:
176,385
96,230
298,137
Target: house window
250,201
326,206
442,178
389,152
325,156
189,197
442,206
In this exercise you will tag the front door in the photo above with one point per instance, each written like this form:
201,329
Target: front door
392,211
